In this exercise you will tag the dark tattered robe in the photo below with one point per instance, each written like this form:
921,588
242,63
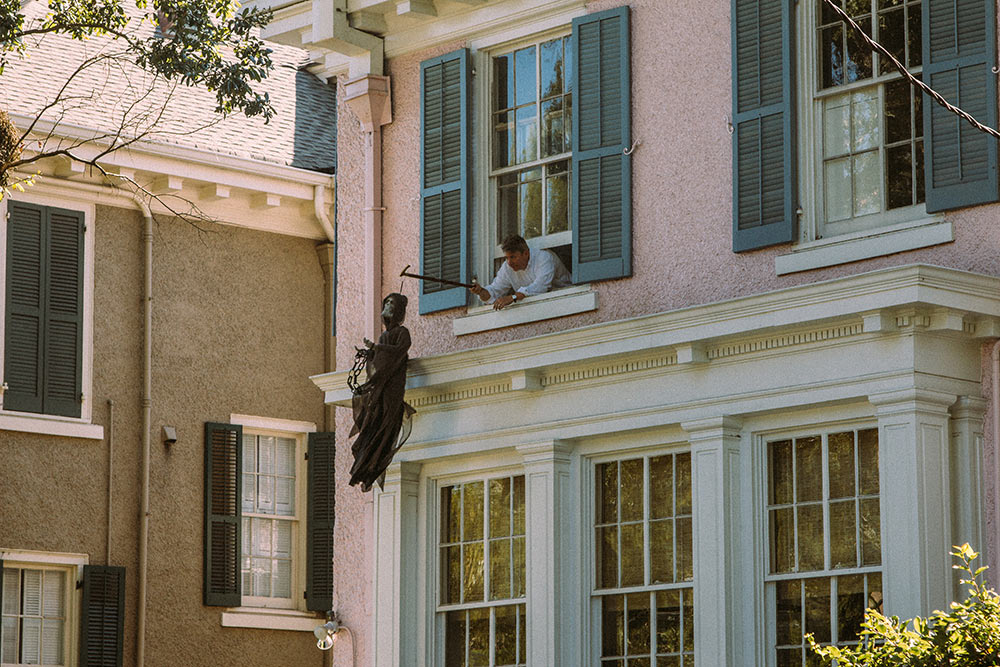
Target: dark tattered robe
379,409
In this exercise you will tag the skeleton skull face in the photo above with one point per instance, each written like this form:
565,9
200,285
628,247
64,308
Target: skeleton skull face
393,309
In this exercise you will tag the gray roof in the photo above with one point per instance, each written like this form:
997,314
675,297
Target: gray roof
303,132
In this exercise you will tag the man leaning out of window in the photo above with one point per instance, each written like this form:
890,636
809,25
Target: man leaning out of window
523,274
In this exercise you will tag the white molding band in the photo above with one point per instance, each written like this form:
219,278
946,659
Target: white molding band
50,426
43,557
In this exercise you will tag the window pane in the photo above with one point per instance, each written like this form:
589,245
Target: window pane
841,462
810,536
11,590
788,615
808,469
837,189
867,183
685,562
31,594
285,455
837,126
31,641
473,511
818,608
500,569
519,505
914,34
451,514
607,557
530,206
500,507
632,552
281,585
519,568
503,81
479,637
552,68
557,201
505,640
843,535
451,574
612,625
871,538
661,490
472,569
683,492
865,119
607,493
850,607
831,55
779,470
525,75
55,583
782,528
661,544
637,622
504,152
892,35
552,127
868,456
632,486
897,111
8,632
668,621
454,644
898,176
859,54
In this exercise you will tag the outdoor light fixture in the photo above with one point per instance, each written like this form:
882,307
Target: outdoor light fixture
326,633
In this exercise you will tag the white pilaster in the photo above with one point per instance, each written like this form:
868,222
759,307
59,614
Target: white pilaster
915,481
715,464
552,555
396,549
966,474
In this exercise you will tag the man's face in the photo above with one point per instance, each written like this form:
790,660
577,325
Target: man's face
518,261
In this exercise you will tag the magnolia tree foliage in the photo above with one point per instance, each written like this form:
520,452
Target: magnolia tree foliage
156,44
967,635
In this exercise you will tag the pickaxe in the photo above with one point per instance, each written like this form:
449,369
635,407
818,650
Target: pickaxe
444,281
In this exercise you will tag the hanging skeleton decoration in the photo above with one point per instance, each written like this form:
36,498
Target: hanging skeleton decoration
382,419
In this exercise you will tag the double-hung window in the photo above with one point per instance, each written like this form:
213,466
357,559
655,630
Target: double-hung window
551,121
643,600
482,612
35,630
824,565
532,143
867,148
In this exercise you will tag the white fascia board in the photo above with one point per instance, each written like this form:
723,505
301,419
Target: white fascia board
194,163
852,296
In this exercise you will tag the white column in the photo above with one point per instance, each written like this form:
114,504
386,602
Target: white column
396,549
715,482
915,481
966,475
553,551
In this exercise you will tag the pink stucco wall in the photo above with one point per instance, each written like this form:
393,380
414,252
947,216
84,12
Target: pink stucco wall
682,222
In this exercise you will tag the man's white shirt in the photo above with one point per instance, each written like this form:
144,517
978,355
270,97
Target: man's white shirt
545,271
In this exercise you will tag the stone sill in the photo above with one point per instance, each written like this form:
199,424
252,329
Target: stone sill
270,619
865,245
50,425
568,301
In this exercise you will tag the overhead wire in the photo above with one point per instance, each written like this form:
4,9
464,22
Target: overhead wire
914,80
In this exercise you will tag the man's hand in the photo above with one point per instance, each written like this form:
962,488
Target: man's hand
369,344
481,292
505,301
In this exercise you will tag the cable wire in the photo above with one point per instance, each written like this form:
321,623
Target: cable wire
936,96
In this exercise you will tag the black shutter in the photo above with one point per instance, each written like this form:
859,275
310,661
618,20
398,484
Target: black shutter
43,347
959,48
319,523
24,316
102,620
764,197
223,464
444,178
601,171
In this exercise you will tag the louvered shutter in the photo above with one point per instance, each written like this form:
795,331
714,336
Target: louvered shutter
223,464
319,523
24,316
102,620
43,344
601,171
764,186
959,45
444,178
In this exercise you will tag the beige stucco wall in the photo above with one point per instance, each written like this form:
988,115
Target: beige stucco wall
237,328
682,225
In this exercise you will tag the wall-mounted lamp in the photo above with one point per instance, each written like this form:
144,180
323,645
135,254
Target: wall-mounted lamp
326,633
169,435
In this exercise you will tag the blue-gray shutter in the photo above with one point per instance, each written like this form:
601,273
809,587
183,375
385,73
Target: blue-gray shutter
959,48
601,172
102,618
319,523
223,466
444,178
764,185
62,383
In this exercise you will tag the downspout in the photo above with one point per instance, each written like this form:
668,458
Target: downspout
111,453
369,98
327,253
147,418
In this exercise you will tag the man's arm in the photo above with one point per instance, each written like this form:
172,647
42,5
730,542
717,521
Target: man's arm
500,286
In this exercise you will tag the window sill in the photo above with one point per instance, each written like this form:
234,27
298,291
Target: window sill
270,619
864,245
568,301
50,425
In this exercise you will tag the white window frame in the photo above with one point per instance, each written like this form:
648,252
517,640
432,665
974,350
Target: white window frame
436,608
593,594
280,613
30,422
70,563
766,606
878,234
